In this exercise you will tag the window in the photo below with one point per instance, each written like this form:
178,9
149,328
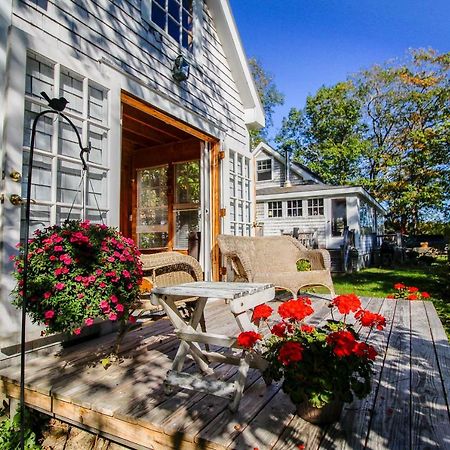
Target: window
264,170
315,207
275,209
339,216
174,17
240,195
57,166
294,208
187,202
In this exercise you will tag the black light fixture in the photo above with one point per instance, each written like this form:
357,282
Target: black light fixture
57,105
180,69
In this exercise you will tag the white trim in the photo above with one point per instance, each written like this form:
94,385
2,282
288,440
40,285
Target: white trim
262,147
232,45
324,192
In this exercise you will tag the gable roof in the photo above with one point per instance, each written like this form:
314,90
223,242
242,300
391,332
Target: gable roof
234,51
295,167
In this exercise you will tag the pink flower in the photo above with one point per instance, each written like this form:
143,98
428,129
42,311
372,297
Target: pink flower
77,331
47,294
114,299
80,295
111,258
119,307
126,274
102,285
59,286
104,305
49,314
78,278
112,316
58,248
132,319
89,321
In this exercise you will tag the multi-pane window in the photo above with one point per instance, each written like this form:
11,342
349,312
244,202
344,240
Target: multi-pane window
315,207
294,208
264,170
152,225
175,17
240,195
56,181
274,209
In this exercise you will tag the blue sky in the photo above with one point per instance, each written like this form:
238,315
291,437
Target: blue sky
309,43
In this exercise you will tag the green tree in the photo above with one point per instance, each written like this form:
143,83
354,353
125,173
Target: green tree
326,135
406,108
269,96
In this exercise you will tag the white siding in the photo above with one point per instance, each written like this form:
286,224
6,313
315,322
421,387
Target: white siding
115,31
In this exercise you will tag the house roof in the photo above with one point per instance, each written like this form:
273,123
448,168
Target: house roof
315,190
296,167
234,51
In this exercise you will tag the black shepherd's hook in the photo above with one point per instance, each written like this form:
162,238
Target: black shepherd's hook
57,105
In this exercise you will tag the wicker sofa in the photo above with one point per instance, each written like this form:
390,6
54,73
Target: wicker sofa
274,259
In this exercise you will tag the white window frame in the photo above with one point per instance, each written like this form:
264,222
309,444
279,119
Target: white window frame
197,9
315,204
278,208
290,209
240,225
264,170
53,203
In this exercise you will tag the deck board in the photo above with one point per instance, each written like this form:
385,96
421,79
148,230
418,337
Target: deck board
407,408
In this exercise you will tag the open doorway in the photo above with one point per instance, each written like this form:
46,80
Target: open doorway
169,181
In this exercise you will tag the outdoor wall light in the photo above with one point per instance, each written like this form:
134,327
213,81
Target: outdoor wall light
180,69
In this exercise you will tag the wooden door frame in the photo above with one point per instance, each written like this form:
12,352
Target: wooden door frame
215,181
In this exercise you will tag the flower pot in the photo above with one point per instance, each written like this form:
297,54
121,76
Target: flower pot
329,413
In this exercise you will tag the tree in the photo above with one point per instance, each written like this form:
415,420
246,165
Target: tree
407,111
269,96
326,135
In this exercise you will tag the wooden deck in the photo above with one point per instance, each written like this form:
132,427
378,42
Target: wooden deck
407,409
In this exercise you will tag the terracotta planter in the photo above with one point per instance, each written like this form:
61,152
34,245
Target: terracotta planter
329,413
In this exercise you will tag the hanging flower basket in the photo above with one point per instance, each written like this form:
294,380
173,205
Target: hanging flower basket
78,272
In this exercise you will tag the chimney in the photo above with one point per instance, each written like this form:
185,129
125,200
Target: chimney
287,179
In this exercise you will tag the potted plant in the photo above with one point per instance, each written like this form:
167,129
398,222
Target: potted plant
403,292
321,367
79,272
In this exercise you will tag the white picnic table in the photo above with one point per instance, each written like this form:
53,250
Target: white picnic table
241,297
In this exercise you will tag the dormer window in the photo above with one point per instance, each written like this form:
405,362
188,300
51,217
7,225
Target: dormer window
174,17
264,170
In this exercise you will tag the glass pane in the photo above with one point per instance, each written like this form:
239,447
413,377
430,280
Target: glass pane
187,183
232,211
173,29
247,168
240,212
159,16
72,90
239,193
339,216
187,4
62,214
97,107
39,77
162,3
186,40
185,221
232,161
39,218
67,140
233,228
96,216
152,240
97,186
232,189
41,179
174,9
98,139
247,191
44,128
239,165
69,177
187,20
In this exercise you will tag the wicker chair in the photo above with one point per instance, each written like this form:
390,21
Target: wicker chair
167,269
273,259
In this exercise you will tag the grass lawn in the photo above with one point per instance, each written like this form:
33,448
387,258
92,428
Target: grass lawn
378,282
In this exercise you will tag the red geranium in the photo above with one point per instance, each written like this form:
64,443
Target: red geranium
261,312
343,343
425,295
399,286
290,352
412,297
347,303
281,328
248,339
370,319
412,289
296,309
362,350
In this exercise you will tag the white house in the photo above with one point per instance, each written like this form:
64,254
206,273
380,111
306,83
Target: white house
113,60
298,198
